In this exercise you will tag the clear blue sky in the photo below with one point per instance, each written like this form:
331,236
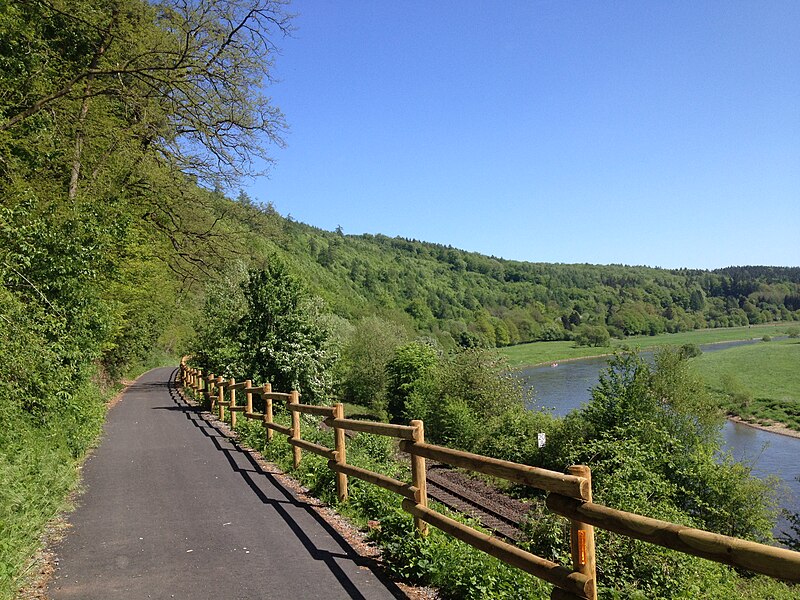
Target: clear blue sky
657,133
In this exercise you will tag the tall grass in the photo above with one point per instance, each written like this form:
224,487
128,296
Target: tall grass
38,463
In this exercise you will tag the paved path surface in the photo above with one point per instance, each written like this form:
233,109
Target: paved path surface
173,509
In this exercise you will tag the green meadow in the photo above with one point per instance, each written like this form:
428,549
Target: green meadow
535,353
760,383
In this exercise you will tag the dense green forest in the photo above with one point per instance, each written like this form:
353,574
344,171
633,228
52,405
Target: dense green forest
469,299
124,126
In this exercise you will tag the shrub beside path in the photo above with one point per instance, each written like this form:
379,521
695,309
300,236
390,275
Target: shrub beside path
173,509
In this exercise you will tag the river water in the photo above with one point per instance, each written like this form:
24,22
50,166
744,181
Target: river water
567,386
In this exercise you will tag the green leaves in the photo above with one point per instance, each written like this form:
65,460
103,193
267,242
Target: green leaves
409,366
651,437
283,337
266,327
104,109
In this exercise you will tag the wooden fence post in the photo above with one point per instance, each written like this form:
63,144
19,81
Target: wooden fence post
209,388
248,397
419,476
231,383
294,398
341,454
268,411
220,396
582,536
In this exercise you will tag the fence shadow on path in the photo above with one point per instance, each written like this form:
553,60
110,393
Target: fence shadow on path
254,475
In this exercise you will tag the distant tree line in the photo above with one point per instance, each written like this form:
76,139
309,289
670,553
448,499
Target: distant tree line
468,299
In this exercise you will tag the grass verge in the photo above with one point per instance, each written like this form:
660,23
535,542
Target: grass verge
40,456
38,470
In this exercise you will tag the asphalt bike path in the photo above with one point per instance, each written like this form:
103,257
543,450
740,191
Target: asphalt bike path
172,508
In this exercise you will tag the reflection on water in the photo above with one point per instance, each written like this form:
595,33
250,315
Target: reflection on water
566,387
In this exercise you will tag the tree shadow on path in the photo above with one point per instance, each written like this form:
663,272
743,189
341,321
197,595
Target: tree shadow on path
253,472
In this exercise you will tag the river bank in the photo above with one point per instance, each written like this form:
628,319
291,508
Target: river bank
778,428
766,449
563,360
758,383
652,348
767,371
637,349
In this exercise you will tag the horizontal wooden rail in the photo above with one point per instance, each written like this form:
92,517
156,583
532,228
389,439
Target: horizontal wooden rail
767,560
386,429
223,402
256,390
238,386
238,408
570,581
390,483
315,448
551,481
271,395
310,409
254,415
262,390
287,431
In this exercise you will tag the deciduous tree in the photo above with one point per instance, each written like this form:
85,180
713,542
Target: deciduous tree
283,339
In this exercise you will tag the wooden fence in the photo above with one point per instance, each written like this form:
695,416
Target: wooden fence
570,494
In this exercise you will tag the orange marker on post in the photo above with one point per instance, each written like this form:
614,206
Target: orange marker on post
581,547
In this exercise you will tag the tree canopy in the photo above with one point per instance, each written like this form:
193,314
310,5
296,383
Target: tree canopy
120,121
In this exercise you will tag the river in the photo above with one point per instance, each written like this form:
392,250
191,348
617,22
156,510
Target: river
566,387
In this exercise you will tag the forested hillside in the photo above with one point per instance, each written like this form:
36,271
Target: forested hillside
468,299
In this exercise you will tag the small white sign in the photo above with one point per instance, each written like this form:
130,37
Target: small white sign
542,439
